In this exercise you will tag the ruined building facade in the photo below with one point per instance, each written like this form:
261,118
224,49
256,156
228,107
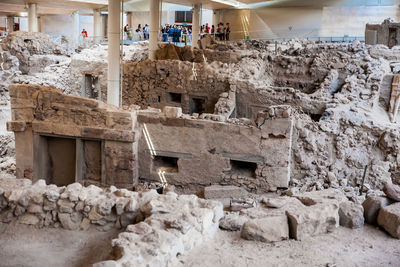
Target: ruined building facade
387,33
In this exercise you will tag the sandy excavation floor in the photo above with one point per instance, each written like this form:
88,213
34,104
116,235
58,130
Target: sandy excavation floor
22,245
26,246
367,246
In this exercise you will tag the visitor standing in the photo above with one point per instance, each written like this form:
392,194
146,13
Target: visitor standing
146,32
227,31
127,31
84,35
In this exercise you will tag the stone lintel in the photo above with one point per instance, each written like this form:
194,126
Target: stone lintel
83,132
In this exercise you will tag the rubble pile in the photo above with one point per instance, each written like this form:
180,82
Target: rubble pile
312,213
34,50
167,225
7,156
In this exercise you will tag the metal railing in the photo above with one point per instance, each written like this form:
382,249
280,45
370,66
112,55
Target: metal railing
91,40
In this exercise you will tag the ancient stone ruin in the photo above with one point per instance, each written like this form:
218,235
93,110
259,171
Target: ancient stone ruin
387,33
268,142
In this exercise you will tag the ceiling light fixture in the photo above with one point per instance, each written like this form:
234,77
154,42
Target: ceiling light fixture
233,3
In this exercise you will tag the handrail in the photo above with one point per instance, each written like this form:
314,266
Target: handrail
91,40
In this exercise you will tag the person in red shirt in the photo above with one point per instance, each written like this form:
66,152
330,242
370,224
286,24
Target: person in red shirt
84,33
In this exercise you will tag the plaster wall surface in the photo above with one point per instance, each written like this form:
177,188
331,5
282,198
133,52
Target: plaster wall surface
23,24
3,21
63,24
302,22
339,21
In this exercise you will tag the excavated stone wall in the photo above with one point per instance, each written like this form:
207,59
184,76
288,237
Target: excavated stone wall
158,227
189,152
55,135
174,83
339,93
97,144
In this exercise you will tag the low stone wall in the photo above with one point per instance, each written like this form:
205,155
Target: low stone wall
184,150
169,224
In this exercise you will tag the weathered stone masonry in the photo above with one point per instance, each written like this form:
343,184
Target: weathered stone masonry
64,139
191,151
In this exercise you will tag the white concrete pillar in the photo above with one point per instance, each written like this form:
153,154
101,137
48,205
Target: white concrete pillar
195,25
114,28
129,19
216,19
129,22
154,28
32,17
75,31
97,30
10,24
40,24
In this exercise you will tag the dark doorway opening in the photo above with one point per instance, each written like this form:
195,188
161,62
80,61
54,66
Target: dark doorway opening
92,89
59,156
197,105
392,37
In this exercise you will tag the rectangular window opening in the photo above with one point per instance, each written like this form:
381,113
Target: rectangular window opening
174,98
243,168
166,164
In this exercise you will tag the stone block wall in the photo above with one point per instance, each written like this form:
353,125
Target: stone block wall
195,87
49,126
187,152
387,33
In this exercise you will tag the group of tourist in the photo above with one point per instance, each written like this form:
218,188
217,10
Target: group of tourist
179,33
140,33
221,32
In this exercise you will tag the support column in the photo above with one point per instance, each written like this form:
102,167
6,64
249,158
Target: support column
154,28
129,22
195,25
129,19
114,28
215,18
97,33
32,17
75,30
10,24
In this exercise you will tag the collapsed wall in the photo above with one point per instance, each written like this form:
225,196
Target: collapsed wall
158,227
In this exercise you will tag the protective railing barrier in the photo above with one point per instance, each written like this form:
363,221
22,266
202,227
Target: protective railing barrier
185,39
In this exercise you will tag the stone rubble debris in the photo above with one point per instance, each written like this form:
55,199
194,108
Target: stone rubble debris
389,219
166,225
